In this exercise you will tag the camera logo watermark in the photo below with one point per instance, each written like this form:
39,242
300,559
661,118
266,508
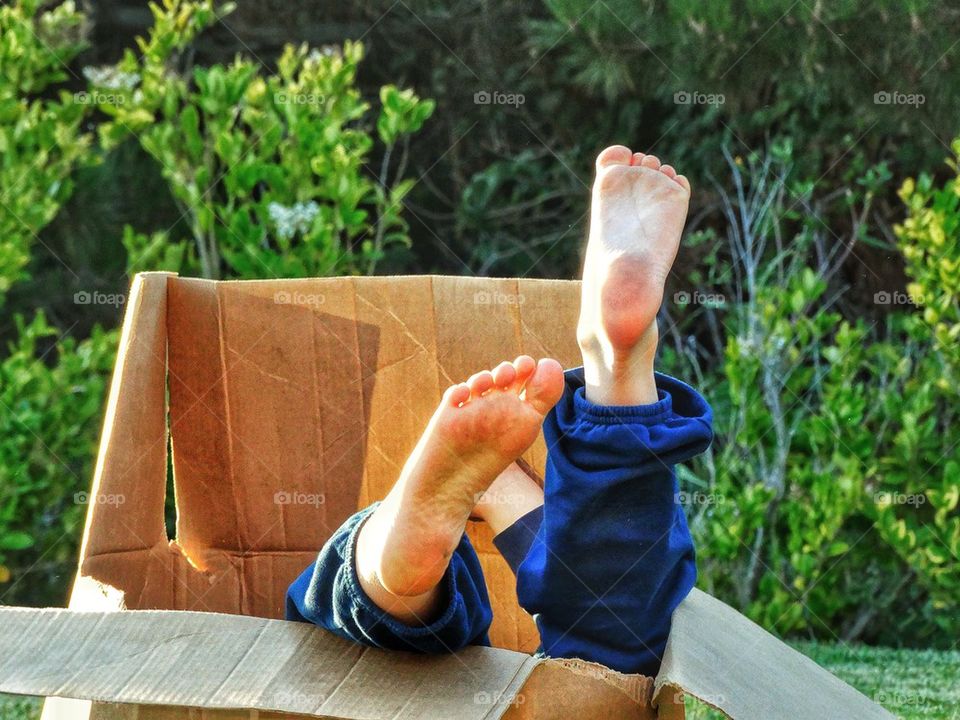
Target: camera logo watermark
95,97
283,297
96,297
292,98
283,497
883,297
498,698
496,97
299,701
503,499
711,300
85,498
699,498
895,97
898,698
884,497
485,297
695,97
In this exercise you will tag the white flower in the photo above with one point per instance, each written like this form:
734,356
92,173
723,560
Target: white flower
111,78
324,51
294,219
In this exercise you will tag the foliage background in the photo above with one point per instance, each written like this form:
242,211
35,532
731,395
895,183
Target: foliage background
815,300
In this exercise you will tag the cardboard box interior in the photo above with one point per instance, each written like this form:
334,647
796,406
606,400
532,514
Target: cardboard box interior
287,405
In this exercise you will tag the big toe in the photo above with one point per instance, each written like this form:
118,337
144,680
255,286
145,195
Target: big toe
614,155
545,386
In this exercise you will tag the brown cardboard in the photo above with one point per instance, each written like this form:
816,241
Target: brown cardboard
287,405
714,653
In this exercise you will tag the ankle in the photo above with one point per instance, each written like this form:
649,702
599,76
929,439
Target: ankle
624,375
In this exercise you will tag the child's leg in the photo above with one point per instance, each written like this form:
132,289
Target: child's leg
613,556
402,574
513,508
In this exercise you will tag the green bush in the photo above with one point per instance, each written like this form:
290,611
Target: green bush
40,136
268,169
53,407
51,393
829,503
506,189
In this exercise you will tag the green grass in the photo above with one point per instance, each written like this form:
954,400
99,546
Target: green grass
15,707
910,683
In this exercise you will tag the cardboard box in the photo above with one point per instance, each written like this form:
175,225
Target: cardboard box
287,405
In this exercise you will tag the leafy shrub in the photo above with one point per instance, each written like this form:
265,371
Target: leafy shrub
53,407
267,169
50,394
40,136
269,172
829,504
595,73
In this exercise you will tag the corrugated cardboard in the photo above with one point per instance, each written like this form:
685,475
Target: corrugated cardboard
287,405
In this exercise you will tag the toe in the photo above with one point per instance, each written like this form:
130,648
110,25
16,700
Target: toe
524,365
457,394
545,387
668,170
504,374
614,155
650,161
684,183
637,157
480,383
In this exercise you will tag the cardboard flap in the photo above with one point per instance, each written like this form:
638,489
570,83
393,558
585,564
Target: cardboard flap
125,504
216,661
720,657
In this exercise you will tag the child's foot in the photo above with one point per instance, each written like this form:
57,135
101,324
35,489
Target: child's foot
638,210
481,427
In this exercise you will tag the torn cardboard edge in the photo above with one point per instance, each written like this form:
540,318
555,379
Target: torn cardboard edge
176,328
223,662
213,661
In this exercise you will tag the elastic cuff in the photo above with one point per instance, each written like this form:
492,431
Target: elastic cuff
605,414
365,604
675,398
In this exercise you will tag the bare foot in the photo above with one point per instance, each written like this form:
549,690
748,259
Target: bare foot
480,428
638,210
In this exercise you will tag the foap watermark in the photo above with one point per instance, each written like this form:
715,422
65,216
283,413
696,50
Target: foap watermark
505,499
898,698
299,98
895,97
716,700
696,497
84,297
885,297
495,297
698,297
892,497
284,497
285,297
86,498
299,701
498,698
695,97
497,97
96,97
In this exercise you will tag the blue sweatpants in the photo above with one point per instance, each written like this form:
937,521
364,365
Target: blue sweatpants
601,566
